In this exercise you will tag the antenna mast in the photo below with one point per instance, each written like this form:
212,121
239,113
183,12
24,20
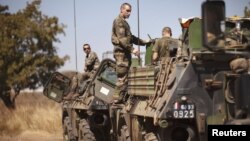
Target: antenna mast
75,36
138,21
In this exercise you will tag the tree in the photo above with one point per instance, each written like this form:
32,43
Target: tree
27,53
247,12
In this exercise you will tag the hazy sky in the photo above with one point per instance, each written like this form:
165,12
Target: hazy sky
94,21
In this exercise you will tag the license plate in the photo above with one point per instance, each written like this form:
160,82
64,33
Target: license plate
181,111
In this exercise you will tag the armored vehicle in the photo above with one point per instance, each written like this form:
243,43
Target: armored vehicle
85,118
204,83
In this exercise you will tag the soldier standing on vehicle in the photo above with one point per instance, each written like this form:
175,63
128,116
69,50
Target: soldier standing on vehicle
91,64
161,46
123,41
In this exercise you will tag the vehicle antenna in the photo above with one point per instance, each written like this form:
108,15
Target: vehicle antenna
75,36
138,19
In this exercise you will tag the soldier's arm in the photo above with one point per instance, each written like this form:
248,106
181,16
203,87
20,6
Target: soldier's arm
138,41
155,52
155,56
85,67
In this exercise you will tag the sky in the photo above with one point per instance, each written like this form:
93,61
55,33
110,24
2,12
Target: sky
94,18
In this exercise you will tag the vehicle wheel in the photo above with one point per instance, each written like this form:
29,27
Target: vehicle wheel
85,134
125,134
67,131
150,137
180,132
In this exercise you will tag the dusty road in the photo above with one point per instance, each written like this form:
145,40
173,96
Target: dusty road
33,136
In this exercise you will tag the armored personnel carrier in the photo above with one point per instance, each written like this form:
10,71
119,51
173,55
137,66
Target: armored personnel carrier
205,83
85,118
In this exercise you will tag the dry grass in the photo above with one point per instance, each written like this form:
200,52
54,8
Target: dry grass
34,112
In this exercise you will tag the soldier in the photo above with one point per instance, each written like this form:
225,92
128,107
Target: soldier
91,64
161,46
123,41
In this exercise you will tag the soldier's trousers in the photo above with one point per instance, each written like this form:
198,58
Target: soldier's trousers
87,75
123,63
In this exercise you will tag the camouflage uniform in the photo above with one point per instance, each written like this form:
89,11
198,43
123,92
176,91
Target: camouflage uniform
162,47
123,41
91,64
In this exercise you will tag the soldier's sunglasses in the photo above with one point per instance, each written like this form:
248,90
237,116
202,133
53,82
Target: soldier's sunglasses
85,48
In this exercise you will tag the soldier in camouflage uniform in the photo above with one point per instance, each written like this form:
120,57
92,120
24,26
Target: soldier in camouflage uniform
91,64
123,41
161,46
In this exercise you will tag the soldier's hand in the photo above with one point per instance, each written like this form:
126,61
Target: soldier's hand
136,52
150,41
85,69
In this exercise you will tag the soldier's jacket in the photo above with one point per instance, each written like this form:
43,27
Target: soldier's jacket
91,62
122,37
164,45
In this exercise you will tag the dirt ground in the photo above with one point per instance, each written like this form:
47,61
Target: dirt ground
33,136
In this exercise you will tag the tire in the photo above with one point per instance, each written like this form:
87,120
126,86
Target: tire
85,134
179,132
150,137
67,131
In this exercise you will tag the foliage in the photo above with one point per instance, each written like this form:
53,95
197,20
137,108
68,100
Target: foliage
247,12
27,52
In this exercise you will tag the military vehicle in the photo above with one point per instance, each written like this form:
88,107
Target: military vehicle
85,118
205,83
